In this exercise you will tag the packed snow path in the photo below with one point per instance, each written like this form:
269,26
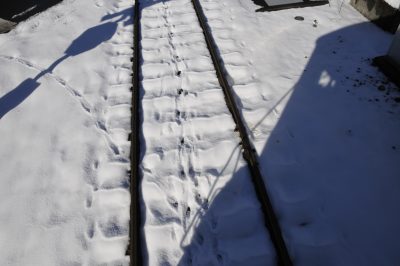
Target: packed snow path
198,194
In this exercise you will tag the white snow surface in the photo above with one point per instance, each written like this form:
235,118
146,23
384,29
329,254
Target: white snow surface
324,122
64,124
326,136
199,203
394,3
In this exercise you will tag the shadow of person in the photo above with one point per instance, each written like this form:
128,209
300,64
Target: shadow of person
325,168
320,175
230,230
17,95
85,42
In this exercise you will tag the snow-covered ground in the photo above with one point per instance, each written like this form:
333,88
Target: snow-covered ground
325,124
200,206
323,120
394,3
64,150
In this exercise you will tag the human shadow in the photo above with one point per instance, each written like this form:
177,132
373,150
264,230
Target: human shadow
334,185
335,191
218,235
87,41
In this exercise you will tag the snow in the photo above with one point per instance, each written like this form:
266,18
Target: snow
326,136
65,119
196,187
322,119
393,3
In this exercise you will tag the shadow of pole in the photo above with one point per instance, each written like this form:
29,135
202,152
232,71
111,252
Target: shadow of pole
87,41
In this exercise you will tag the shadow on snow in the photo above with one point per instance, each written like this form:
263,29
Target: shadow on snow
87,41
319,176
335,192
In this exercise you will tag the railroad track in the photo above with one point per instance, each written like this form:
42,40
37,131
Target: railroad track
249,153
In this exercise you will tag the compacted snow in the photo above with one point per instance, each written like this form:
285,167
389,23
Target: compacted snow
64,125
325,124
200,206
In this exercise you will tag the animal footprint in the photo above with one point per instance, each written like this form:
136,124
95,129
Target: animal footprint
112,228
90,229
99,3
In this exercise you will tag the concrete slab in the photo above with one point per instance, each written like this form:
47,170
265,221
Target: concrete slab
379,12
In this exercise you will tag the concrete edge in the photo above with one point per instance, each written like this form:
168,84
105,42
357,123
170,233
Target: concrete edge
379,12
6,26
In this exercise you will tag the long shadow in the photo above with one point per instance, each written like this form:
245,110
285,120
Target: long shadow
87,41
221,236
336,194
335,186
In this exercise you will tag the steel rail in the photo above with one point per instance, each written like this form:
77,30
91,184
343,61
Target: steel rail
249,152
134,249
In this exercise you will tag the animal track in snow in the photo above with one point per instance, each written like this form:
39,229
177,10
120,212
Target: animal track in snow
76,94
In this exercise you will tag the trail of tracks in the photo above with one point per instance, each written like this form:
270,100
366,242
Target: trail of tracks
190,184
